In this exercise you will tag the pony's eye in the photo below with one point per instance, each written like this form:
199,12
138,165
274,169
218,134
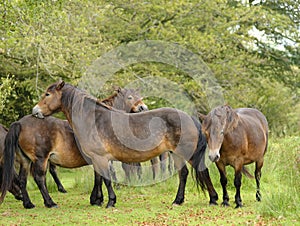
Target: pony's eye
130,97
222,132
47,94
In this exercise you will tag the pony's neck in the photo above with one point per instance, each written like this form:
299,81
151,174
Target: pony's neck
75,101
67,101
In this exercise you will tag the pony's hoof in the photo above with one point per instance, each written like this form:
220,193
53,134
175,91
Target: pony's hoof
258,197
175,204
110,204
29,206
225,204
213,203
97,202
238,206
51,205
178,202
62,190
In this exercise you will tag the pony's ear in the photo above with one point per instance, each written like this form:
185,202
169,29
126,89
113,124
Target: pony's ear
201,116
60,84
117,89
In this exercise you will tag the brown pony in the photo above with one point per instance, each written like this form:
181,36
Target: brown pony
106,134
236,137
15,186
38,142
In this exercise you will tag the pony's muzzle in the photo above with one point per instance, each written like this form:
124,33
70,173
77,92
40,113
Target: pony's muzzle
139,108
36,111
214,157
143,108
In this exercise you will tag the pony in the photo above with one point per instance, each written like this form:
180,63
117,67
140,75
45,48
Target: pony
236,137
52,140
15,186
106,134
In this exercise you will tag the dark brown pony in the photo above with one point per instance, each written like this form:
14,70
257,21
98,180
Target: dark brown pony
15,186
106,134
38,142
236,137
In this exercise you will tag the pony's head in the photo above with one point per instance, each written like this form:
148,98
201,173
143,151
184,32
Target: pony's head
215,126
130,99
50,101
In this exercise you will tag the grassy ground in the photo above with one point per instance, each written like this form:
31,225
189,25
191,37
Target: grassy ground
151,205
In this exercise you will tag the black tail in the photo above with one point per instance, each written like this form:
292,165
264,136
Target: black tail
246,172
11,144
198,160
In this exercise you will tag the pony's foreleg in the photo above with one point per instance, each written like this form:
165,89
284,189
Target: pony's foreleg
223,181
101,166
237,184
96,197
213,195
126,168
183,174
60,187
258,166
39,174
112,199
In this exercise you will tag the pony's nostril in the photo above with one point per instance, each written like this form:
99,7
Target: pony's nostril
214,158
142,108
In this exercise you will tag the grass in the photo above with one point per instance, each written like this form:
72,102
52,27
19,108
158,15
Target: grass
151,205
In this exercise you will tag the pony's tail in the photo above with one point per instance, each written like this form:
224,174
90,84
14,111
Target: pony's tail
200,171
247,173
11,144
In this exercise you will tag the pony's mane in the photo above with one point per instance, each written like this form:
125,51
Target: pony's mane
231,117
109,100
84,94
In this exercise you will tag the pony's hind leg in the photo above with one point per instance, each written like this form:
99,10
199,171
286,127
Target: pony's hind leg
15,188
258,166
155,167
23,173
39,174
183,174
60,187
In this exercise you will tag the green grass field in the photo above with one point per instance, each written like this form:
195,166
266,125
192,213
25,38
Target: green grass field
151,205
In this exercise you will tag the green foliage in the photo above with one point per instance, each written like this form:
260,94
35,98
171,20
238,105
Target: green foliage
6,88
18,98
252,48
282,168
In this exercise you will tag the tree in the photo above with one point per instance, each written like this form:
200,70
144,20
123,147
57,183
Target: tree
44,41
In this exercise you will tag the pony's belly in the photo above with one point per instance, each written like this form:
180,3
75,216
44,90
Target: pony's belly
67,161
